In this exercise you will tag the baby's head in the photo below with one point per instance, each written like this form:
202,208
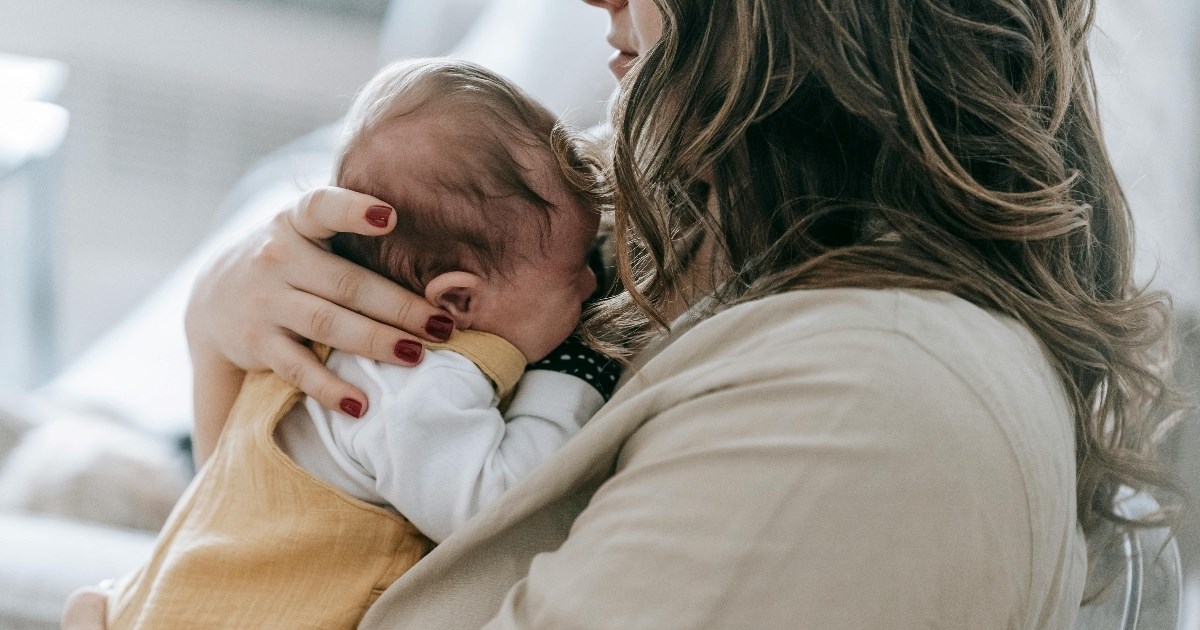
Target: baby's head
497,204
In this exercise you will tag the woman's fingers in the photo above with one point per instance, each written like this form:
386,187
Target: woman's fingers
314,318
323,212
280,283
318,215
342,282
298,366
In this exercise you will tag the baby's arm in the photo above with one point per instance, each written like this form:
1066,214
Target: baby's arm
440,451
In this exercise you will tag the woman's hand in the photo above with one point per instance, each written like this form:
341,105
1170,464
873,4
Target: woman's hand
256,302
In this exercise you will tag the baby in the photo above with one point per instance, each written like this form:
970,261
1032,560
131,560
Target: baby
302,516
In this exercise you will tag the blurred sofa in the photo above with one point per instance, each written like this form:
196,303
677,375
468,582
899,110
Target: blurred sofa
125,403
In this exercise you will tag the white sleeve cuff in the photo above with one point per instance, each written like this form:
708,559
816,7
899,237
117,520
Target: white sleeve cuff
554,394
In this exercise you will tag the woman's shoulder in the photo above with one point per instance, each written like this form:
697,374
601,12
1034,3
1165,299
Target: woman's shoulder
911,313
921,383
895,328
929,359
861,425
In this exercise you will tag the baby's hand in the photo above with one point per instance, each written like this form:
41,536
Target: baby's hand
575,358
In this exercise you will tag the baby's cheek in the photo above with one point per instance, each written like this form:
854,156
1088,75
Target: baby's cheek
589,283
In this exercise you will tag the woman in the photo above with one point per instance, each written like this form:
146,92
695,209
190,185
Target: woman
888,364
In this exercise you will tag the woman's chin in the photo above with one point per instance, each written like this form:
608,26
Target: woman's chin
620,63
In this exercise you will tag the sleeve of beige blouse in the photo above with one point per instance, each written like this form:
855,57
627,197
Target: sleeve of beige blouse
848,481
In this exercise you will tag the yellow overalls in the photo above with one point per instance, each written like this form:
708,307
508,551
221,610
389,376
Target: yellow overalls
257,542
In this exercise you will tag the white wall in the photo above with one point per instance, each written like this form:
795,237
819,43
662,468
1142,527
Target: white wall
171,100
1147,57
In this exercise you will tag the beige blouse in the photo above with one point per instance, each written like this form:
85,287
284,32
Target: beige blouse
818,459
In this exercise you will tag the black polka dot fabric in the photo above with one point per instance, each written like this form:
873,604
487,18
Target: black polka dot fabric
573,357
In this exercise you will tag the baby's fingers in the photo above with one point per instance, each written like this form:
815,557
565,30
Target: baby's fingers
298,366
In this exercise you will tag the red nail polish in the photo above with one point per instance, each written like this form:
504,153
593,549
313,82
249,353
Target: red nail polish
440,327
351,407
408,350
379,216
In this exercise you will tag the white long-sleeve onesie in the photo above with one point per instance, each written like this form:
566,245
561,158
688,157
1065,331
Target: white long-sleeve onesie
432,443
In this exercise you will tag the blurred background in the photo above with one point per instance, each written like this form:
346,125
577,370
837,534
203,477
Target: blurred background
136,135
170,102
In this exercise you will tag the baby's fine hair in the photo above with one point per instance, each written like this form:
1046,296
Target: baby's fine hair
469,214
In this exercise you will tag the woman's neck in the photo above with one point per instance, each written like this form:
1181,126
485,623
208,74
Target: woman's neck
701,279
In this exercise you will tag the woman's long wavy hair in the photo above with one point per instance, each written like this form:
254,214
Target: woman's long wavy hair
923,144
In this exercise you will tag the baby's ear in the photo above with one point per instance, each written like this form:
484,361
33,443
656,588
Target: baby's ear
459,293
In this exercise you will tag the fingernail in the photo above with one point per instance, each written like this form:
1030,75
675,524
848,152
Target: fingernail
440,327
379,216
408,350
351,407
